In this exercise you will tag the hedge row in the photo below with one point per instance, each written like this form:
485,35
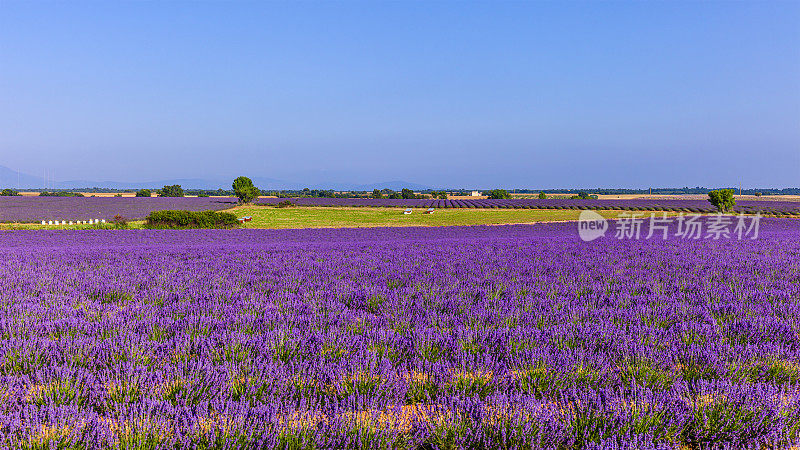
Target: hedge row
190,219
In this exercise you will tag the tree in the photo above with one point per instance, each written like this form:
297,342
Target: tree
143,193
722,199
244,190
498,194
542,196
443,195
407,193
583,195
8,193
171,191
376,193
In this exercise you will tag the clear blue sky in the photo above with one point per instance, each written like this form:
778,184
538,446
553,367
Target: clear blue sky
538,95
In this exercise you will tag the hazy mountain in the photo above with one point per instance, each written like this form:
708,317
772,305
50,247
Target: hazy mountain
393,185
10,178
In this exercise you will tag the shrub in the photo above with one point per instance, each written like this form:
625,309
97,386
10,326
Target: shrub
119,222
203,195
190,219
243,189
499,194
143,193
542,196
171,191
758,194
285,204
8,193
722,199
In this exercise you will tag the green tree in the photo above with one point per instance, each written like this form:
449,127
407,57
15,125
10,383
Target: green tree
542,196
498,194
376,193
171,191
143,193
407,193
244,190
443,195
722,199
8,193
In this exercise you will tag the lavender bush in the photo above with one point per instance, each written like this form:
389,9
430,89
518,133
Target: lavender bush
476,337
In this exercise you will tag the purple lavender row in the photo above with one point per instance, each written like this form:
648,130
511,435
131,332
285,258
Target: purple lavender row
35,209
765,206
471,337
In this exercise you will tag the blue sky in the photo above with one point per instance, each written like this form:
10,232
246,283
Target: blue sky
483,94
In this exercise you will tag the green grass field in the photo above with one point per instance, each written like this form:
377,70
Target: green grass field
318,217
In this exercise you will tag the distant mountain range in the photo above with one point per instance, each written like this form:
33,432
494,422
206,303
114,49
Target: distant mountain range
12,179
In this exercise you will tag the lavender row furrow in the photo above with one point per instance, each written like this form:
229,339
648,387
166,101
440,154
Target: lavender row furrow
765,206
35,209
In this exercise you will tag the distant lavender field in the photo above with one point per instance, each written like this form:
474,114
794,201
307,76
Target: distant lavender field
34,209
636,204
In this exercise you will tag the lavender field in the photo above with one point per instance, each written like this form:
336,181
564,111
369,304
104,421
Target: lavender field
474,337
35,209
748,206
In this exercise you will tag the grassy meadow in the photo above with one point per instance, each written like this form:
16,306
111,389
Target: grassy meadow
330,217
